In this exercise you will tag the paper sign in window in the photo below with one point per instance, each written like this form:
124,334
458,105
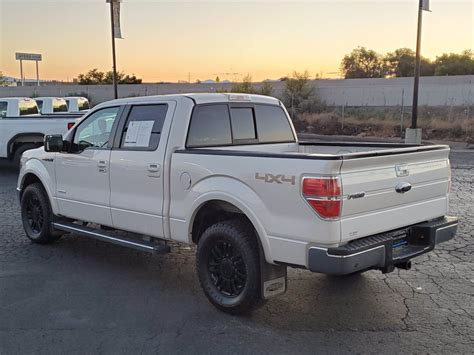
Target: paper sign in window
138,134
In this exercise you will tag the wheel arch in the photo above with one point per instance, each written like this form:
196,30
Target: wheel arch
30,137
214,207
34,172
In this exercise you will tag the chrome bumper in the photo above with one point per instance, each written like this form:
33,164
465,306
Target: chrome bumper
382,251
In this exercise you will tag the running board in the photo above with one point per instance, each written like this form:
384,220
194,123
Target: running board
111,238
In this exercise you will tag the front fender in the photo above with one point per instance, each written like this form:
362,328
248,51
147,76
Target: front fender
36,167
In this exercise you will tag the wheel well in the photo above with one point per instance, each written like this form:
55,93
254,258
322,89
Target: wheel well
212,212
24,138
28,180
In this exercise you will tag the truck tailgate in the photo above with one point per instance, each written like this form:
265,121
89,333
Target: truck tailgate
389,190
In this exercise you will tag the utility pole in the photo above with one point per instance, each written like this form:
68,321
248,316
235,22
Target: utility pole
413,134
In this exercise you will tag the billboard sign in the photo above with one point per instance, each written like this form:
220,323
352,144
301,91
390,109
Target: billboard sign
28,56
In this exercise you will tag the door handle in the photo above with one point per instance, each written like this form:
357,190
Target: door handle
102,165
154,169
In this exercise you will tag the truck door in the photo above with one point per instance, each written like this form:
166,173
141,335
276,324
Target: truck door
136,168
82,175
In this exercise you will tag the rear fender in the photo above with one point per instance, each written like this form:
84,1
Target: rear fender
242,197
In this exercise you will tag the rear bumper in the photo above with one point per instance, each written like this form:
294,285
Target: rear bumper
382,251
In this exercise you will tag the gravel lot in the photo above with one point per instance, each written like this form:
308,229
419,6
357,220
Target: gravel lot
85,296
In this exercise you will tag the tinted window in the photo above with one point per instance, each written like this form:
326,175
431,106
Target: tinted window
3,109
83,104
273,125
143,128
59,105
210,125
40,104
94,132
28,107
243,123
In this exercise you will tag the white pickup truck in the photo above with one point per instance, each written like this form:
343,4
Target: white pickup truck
226,172
22,128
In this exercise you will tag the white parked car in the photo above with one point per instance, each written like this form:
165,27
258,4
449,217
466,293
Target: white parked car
77,104
227,172
23,128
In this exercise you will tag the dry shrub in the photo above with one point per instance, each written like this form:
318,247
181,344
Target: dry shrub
437,123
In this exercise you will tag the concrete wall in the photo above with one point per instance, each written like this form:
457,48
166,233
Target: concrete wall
434,91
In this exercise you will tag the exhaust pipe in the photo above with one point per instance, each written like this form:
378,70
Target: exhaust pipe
405,266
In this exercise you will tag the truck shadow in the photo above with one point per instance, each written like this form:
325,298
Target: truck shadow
313,302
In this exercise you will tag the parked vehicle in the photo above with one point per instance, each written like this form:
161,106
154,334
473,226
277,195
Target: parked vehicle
50,105
17,107
77,104
227,172
23,128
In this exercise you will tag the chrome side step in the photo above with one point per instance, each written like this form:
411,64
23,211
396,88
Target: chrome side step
111,238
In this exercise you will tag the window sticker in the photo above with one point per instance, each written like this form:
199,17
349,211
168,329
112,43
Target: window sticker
138,134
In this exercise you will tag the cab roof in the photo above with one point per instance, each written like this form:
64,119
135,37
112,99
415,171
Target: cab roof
200,98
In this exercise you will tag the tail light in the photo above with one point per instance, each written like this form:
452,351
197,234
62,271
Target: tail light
323,194
70,125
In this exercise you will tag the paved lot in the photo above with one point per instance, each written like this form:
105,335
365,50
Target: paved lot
84,296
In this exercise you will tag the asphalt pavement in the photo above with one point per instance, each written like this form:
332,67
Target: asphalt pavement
85,296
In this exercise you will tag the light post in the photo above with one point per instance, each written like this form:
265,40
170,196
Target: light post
116,33
413,134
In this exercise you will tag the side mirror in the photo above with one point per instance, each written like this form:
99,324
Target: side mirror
53,143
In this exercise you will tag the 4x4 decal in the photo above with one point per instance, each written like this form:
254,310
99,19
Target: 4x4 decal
279,179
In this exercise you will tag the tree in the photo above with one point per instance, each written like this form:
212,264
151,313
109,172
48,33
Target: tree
96,77
243,87
455,64
246,87
2,79
401,63
218,80
299,95
363,63
92,77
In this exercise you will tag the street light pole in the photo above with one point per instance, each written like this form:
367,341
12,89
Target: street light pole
413,134
114,67
414,115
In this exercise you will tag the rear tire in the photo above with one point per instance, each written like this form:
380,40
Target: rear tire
37,216
228,266
18,153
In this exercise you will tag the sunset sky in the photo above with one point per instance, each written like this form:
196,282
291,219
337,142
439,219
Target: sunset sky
165,40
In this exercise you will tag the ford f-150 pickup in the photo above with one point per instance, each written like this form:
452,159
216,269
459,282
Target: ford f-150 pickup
226,172
23,128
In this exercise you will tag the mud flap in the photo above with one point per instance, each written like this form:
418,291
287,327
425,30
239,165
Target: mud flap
272,280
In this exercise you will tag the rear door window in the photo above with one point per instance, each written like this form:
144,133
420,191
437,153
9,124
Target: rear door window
142,130
210,126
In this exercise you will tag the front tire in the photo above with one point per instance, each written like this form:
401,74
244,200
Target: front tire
228,266
37,216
